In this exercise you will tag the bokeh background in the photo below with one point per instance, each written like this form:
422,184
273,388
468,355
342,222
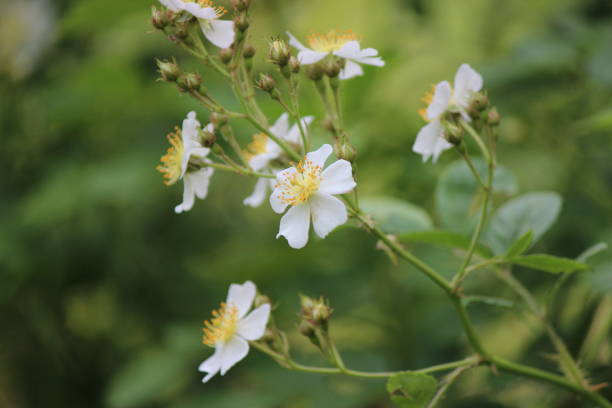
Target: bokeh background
103,289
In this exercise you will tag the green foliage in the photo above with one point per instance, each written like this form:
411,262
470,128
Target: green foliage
395,216
445,239
520,245
548,263
411,390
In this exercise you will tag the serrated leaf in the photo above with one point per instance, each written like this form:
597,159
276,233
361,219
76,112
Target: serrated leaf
456,193
396,216
548,263
536,211
520,245
411,390
446,239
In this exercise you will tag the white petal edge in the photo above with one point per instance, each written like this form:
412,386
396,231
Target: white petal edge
242,297
441,100
173,5
281,126
218,32
234,350
295,42
351,70
307,57
467,82
328,212
259,193
318,157
294,226
253,326
426,143
212,364
337,178
188,196
294,134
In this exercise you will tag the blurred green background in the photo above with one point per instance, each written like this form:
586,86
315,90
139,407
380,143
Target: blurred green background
103,289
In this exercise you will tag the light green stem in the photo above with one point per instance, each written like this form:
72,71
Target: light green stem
238,170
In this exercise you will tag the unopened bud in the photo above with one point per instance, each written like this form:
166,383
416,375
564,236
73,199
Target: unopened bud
189,81
225,55
279,52
181,30
294,64
241,5
315,72
480,102
307,329
317,312
345,151
218,120
208,139
266,83
249,51
332,68
454,133
493,117
169,70
159,18
241,23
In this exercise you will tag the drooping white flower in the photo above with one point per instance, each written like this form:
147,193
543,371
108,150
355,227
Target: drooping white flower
219,32
309,191
231,328
186,147
430,141
343,45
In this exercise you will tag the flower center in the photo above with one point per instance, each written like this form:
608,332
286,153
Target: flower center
299,186
427,99
219,10
222,326
170,165
330,42
259,145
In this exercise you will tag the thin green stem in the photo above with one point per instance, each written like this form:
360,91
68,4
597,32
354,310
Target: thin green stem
208,59
283,145
468,327
478,140
238,170
463,152
449,379
295,102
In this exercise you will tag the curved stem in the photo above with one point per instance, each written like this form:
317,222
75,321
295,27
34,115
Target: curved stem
238,170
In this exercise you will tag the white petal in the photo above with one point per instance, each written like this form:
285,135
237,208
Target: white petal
277,204
376,61
190,131
188,196
351,69
440,101
307,57
318,157
259,193
441,145
219,32
241,296
430,141
200,152
174,5
212,364
295,225
281,126
207,13
294,135
350,50
259,161
234,350
327,213
467,82
201,181
337,178
209,128
253,326
294,41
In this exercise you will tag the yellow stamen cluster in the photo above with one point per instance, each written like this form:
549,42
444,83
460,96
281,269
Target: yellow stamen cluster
171,162
330,42
222,326
427,99
257,146
220,10
299,186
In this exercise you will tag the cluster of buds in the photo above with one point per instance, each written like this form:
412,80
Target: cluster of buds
315,315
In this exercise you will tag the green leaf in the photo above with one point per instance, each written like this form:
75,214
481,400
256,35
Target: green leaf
396,216
446,239
520,245
456,193
411,390
548,263
533,211
489,300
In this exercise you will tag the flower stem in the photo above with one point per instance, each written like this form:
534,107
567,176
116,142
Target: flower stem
238,170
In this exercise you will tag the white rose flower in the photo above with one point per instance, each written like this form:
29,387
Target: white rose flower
310,190
230,329
430,141
185,146
343,45
219,32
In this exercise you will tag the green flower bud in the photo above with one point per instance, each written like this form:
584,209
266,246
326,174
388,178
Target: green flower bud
208,139
294,65
241,5
169,70
345,151
218,120
159,18
493,117
225,55
241,23
279,52
249,51
266,83
315,72
189,81
333,68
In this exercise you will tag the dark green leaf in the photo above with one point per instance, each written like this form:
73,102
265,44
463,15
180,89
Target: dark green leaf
396,216
446,239
548,263
411,390
533,211
521,245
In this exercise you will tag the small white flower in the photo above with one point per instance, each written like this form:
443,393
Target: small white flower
345,46
310,190
230,329
260,191
430,141
185,146
219,32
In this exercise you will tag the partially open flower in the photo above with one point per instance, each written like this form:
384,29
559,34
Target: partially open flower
430,141
185,160
309,191
343,45
231,328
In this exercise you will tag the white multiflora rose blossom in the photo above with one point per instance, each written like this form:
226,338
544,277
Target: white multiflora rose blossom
309,191
430,141
219,32
231,328
343,45
186,146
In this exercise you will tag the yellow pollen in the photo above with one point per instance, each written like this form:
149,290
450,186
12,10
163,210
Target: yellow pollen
171,162
257,146
219,10
330,42
299,186
222,326
427,99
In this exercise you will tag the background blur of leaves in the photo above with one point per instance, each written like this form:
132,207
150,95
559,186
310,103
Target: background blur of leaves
103,288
